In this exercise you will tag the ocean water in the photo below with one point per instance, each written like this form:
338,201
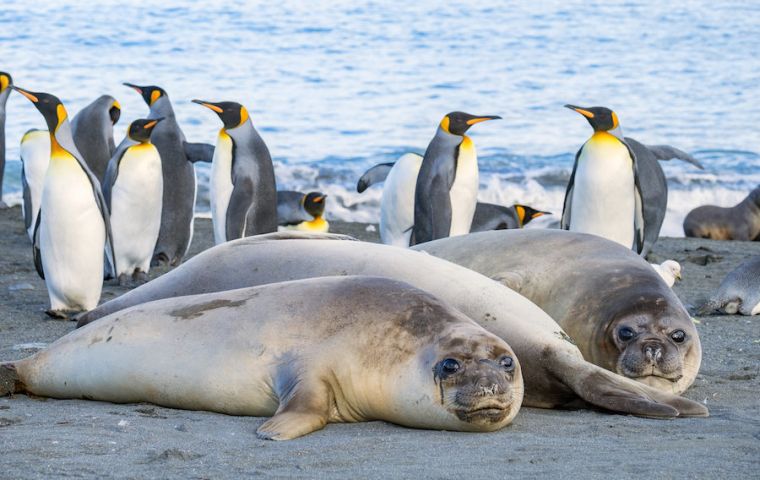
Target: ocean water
335,87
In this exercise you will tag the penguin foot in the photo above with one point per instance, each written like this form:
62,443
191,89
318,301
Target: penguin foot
124,280
140,277
58,314
159,259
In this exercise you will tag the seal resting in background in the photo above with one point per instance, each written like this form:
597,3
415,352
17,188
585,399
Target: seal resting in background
309,352
553,369
740,222
739,292
611,302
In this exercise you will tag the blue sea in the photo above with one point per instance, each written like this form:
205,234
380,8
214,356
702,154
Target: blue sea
335,87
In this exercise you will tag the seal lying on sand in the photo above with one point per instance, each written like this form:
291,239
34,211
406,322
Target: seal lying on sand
611,302
310,352
739,292
740,222
553,369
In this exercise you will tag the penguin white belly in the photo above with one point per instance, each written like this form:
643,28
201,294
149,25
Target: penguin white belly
136,202
72,237
464,191
35,155
397,203
603,201
221,186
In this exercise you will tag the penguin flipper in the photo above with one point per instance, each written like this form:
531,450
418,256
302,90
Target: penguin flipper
237,209
199,152
652,195
27,197
36,253
667,152
564,222
374,175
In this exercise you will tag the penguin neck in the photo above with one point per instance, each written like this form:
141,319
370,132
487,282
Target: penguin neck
62,146
3,99
602,137
317,223
242,131
162,107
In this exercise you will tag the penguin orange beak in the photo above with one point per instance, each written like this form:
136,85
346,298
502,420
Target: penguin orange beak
473,121
28,95
539,214
152,124
580,110
209,105
319,199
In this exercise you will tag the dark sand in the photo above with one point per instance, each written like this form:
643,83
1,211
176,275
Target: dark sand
43,438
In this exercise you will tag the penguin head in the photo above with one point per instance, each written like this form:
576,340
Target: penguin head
602,119
232,114
140,130
457,123
314,203
5,81
150,93
525,213
48,105
114,112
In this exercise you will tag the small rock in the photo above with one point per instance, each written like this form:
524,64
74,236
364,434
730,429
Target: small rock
21,286
371,228
123,423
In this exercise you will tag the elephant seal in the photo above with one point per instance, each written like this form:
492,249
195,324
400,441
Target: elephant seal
553,369
611,302
740,222
309,352
739,292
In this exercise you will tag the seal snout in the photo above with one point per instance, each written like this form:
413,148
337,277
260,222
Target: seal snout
653,351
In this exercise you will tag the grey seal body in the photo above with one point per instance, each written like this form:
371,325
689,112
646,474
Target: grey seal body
301,351
740,222
553,369
739,292
5,82
92,128
611,302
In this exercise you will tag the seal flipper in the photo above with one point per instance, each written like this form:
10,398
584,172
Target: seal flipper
9,379
303,410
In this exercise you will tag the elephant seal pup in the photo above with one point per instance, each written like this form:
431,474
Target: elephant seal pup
739,292
611,302
740,222
309,352
553,369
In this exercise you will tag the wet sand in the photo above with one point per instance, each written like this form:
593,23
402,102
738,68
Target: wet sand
45,438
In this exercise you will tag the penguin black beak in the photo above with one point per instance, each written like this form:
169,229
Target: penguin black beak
134,87
484,118
209,105
580,110
28,95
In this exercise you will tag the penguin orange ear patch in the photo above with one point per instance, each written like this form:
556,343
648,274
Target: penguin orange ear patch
615,121
243,115
445,124
154,95
4,82
61,112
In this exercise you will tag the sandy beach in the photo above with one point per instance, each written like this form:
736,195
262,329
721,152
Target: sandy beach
44,438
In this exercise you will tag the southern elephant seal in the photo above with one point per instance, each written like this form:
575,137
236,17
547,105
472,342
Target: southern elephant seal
553,369
309,352
611,302
740,222
739,292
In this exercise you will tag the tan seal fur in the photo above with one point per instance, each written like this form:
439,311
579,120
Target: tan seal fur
740,222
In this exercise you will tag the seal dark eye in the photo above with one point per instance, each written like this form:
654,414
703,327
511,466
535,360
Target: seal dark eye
449,366
678,336
507,363
626,334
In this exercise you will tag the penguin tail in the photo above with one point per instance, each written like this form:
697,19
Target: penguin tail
10,382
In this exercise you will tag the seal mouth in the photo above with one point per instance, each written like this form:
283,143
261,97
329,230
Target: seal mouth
487,412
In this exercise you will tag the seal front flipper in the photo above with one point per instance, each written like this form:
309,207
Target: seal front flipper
304,408
199,152
374,175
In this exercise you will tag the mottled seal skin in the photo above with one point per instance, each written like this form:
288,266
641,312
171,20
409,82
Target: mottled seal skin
553,369
740,222
739,292
309,352
611,302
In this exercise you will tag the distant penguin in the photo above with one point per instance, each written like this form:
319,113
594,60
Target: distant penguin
489,216
618,189
5,82
447,184
72,229
177,157
243,190
133,188
304,212
740,222
92,128
35,158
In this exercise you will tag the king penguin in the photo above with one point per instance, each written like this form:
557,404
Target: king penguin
302,212
177,158
490,216
243,189
93,133
73,227
618,189
5,83
133,188
447,184
35,158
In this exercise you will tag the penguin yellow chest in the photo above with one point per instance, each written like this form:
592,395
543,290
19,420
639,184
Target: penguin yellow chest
221,185
464,191
603,201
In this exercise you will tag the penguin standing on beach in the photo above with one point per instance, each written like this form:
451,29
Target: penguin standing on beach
92,128
5,83
302,212
177,158
243,190
618,189
35,158
73,228
447,184
133,188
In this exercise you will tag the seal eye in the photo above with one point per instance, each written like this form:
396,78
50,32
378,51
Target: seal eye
449,366
626,334
678,336
507,363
